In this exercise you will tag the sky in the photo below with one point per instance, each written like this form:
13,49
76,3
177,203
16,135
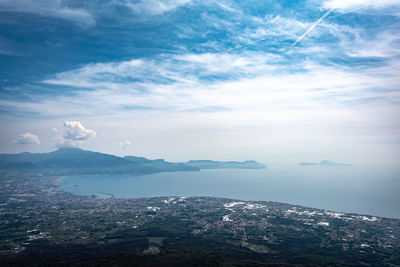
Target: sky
274,81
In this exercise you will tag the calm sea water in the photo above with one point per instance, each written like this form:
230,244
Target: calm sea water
346,189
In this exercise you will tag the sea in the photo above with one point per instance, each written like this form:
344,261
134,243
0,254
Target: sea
368,191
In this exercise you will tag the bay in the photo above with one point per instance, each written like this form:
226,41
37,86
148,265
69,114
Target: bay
344,189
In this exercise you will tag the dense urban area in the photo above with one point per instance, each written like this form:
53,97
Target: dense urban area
42,225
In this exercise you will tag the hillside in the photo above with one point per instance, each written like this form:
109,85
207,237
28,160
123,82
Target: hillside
69,161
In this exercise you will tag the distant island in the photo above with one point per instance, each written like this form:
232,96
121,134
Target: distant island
75,161
324,163
210,164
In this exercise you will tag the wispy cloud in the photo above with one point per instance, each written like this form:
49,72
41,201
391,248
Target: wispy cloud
359,4
152,7
269,29
49,8
256,84
383,45
275,32
186,69
312,27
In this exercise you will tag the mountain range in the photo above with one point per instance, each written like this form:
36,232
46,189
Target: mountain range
74,161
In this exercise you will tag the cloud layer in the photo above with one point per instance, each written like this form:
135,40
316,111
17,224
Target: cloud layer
198,75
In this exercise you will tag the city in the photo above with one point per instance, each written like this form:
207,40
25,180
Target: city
41,224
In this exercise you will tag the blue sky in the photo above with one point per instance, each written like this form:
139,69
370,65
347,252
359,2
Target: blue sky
280,81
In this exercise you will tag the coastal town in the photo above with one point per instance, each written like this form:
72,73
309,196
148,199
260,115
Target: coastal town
38,221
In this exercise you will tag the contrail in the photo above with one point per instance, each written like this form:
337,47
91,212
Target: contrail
312,27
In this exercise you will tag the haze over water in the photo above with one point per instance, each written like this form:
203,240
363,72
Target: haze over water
346,189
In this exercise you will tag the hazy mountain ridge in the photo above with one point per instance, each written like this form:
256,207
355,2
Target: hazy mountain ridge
162,164
74,161
68,161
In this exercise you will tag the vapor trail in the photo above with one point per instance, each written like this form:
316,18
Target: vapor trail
312,27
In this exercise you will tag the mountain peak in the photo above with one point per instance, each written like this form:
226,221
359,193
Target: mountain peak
61,149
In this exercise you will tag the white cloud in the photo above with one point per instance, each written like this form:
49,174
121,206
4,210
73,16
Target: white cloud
384,45
248,81
49,8
125,144
75,131
61,142
27,138
74,134
256,99
358,4
178,69
277,26
226,7
154,7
